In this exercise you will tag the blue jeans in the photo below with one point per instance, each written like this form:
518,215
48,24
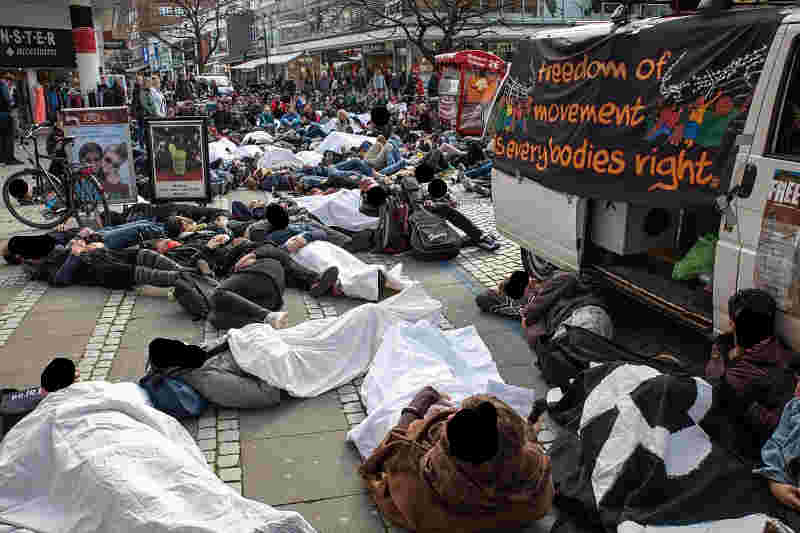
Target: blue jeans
393,162
290,123
124,235
313,131
310,182
483,170
358,165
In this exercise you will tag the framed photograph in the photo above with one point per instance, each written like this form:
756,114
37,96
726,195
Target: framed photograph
178,150
103,139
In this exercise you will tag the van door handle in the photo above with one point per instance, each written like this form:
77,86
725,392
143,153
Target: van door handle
745,188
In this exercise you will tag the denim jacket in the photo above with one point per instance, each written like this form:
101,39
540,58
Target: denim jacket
781,453
309,232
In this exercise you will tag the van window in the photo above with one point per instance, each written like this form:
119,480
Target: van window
786,142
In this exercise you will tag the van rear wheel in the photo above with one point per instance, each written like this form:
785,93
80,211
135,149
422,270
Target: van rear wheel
536,266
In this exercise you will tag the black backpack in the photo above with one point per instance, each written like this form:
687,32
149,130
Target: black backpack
431,237
392,235
194,293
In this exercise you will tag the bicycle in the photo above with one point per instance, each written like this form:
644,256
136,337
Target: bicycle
76,192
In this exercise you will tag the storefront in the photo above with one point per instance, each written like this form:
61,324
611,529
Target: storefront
379,56
304,67
42,60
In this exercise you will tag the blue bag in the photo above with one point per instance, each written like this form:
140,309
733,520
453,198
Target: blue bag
173,396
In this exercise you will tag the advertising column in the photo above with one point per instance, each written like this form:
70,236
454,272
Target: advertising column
83,39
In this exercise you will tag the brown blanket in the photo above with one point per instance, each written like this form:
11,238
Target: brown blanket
418,485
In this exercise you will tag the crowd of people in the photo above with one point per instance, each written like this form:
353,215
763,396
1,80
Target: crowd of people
443,465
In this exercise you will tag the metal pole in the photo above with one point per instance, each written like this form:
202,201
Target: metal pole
266,46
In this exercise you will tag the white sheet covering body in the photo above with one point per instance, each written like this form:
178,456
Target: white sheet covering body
319,355
249,150
95,457
310,157
340,209
411,357
358,279
223,148
339,142
274,156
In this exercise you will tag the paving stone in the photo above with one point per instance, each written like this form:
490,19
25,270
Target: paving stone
207,444
229,448
226,414
207,433
230,474
223,425
103,364
228,461
350,514
229,436
293,416
301,468
355,418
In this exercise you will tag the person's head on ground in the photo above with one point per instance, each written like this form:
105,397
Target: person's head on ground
472,434
25,247
514,287
277,216
437,189
90,153
752,313
59,374
424,173
376,196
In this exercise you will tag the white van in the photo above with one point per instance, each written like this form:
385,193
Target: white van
634,245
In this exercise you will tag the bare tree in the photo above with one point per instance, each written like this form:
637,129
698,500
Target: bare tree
450,22
195,20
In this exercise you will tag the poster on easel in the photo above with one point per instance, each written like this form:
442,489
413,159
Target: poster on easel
103,140
178,150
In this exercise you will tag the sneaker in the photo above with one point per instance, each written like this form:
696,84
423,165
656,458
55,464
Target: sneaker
381,285
325,283
488,243
278,320
337,290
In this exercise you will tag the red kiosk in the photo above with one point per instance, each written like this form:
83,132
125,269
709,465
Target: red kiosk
469,80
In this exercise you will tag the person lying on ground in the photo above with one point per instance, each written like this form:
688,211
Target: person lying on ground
93,264
291,237
439,201
265,119
780,456
510,296
462,469
752,366
179,227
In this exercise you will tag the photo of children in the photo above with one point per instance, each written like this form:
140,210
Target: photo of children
102,141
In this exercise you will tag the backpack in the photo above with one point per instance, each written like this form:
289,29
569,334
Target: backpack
173,396
431,237
391,237
193,293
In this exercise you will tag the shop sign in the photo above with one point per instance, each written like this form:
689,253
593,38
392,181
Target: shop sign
36,47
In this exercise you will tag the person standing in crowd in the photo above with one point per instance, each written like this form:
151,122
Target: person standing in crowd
6,124
324,83
433,84
396,83
334,85
159,101
379,82
137,108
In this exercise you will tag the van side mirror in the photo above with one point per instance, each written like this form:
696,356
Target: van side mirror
745,188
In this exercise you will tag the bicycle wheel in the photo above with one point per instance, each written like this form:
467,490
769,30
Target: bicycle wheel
90,205
35,200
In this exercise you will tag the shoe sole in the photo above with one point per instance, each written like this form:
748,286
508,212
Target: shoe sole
327,280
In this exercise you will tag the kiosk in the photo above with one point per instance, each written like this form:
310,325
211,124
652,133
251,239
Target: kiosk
469,81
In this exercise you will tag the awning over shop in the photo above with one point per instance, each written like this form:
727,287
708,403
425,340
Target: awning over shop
283,58
137,69
251,65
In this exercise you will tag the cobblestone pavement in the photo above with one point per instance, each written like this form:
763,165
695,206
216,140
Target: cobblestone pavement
292,456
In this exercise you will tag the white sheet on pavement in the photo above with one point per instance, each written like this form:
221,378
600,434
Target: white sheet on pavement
340,209
274,156
258,137
222,149
339,142
319,355
358,279
310,157
249,150
411,357
95,457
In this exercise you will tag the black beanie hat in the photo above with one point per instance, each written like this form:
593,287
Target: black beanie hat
473,435
170,353
380,116
423,173
58,374
376,196
515,286
437,188
31,246
173,227
277,216
18,188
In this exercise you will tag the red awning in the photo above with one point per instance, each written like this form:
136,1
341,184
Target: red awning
477,59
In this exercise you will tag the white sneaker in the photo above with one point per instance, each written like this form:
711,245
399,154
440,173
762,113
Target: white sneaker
278,320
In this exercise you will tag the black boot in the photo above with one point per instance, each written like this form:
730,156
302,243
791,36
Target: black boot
229,310
158,278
